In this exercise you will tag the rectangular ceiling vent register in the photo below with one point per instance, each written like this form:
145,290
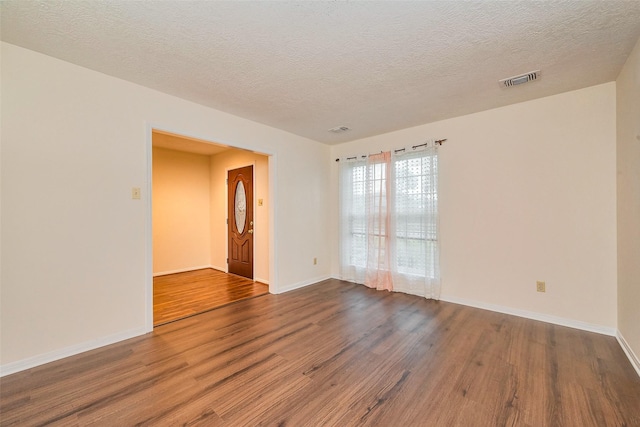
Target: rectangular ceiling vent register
520,79
339,129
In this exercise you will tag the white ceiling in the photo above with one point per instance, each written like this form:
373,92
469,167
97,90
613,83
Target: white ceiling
172,141
306,67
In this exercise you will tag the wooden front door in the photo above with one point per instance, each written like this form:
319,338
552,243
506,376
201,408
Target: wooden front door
240,217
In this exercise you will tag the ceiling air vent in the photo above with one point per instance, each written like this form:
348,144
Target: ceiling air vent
339,129
520,79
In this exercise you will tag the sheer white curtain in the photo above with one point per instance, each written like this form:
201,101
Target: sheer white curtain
389,221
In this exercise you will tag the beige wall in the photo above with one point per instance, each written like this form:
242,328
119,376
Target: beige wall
628,162
220,164
181,211
76,254
190,210
528,192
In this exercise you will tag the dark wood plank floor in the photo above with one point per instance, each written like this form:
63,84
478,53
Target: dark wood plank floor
180,295
337,354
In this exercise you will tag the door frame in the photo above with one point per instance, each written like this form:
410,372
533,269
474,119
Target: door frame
226,207
147,198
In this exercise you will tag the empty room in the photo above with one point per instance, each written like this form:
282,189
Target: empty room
445,210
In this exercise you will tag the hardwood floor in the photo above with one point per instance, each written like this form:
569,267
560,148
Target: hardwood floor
336,354
180,295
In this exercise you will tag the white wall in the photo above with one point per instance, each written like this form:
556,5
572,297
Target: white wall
628,162
220,164
75,273
528,192
181,211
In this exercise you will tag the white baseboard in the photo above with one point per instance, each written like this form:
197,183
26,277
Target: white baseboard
31,362
256,279
633,358
183,270
41,359
302,284
576,324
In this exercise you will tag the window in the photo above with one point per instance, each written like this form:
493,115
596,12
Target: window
389,221
416,210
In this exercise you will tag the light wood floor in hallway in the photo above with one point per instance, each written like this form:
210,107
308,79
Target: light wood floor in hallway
336,354
180,295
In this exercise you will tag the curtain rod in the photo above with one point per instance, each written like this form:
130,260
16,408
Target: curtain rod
438,142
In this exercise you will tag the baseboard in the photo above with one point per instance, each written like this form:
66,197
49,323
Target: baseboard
41,359
633,358
256,279
31,362
576,324
302,284
183,270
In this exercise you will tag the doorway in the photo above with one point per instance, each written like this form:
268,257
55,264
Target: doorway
189,223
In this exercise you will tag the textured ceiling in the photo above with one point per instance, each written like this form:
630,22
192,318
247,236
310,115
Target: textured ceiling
306,67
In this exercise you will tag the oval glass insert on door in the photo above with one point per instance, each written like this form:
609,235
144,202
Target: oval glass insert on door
240,207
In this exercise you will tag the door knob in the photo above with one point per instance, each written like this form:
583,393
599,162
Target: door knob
250,231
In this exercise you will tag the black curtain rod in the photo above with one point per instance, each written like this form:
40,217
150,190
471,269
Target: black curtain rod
354,157
439,142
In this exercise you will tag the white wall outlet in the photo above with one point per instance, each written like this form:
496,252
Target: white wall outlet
540,286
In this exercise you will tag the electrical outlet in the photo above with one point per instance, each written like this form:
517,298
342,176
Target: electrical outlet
315,261
540,286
